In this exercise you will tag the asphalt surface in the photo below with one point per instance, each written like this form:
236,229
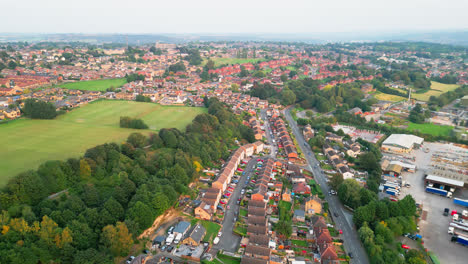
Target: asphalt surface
343,221
228,240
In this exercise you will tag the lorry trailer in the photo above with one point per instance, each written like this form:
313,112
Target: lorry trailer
460,239
441,192
460,202
392,192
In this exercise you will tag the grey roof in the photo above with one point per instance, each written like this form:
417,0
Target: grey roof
198,232
403,140
299,213
159,239
182,227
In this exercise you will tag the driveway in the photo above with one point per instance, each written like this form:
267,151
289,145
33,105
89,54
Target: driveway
228,240
343,221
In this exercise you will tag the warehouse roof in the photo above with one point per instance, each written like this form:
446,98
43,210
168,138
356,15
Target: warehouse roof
445,180
403,140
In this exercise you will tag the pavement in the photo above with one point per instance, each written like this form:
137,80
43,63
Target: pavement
344,220
229,241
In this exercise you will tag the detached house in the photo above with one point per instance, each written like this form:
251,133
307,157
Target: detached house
196,236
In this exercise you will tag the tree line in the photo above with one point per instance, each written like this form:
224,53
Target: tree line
106,198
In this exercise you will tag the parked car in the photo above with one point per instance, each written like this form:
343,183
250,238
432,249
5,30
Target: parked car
335,214
220,233
170,248
405,246
163,248
446,211
169,231
130,259
350,254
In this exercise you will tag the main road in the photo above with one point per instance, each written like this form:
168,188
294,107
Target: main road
342,219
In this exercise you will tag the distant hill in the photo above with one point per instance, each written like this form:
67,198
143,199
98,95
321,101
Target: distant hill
443,37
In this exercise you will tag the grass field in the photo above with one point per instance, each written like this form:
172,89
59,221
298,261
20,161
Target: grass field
96,85
388,97
436,90
212,230
432,129
221,61
28,143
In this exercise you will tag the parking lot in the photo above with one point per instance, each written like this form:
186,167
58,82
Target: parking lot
434,227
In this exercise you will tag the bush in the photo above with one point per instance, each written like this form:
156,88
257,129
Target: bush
36,109
128,122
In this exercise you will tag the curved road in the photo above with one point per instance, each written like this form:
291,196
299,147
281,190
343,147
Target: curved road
344,220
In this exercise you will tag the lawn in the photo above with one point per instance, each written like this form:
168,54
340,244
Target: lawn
28,143
95,85
243,212
212,230
432,129
436,90
285,205
300,243
221,61
388,97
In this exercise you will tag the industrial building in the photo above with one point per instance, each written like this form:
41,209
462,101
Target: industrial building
402,143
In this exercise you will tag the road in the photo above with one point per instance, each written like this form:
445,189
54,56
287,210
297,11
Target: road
228,240
343,221
273,148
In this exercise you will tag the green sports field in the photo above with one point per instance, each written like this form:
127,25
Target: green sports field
95,85
432,129
221,61
28,143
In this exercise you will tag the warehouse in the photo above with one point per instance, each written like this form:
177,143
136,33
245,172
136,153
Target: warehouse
437,180
401,143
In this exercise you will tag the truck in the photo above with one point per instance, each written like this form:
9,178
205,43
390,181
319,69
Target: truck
460,202
391,186
169,239
441,192
460,239
455,231
392,192
459,226
177,238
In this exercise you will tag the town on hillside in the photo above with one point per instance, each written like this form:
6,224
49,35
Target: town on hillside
343,153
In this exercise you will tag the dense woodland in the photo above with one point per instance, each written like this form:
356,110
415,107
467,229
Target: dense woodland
307,95
110,195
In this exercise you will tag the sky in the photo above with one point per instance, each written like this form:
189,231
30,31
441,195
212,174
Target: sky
234,16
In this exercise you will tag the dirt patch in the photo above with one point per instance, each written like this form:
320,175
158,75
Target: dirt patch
169,216
424,215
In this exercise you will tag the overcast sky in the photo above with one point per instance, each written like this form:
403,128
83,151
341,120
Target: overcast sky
234,16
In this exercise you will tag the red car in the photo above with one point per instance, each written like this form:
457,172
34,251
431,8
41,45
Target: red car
230,189
341,231
405,246
239,169
222,202
239,199
228,194
253,181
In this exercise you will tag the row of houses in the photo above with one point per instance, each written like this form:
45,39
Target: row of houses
212,196
336,159
285,140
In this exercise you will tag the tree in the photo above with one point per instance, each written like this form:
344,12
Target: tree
137,140
160,203
12,65
141,214
36,109
284,77
47,230
141,98
210,64
287,97
117,239
85,170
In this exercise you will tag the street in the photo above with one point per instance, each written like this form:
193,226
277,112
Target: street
228,240
343,221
